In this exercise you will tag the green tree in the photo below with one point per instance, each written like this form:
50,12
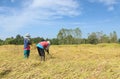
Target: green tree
113,37
9,40
84,41
54,41
119,40
69,39
69,36
92,38
78,35
105,39
61,35
1,42
18,40
36,39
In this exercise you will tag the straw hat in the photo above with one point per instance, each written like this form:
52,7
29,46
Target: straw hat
48,42
27,35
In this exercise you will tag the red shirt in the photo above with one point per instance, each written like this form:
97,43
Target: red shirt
44,44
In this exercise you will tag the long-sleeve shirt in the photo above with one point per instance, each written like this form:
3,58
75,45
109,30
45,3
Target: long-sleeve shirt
26,44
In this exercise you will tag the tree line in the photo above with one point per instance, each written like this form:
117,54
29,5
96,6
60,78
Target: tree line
68,36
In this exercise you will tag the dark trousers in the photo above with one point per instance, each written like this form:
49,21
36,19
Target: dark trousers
41,53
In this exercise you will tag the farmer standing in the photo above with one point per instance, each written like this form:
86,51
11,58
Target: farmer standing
27,45
41,46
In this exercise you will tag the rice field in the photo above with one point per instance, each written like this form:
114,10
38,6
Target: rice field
84,61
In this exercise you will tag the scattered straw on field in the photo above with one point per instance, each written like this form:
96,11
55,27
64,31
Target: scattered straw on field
100,61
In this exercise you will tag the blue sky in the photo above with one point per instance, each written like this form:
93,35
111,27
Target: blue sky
44,18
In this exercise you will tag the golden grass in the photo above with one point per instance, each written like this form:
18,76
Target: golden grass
100,61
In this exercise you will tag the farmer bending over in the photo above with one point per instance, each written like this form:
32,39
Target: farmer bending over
41,46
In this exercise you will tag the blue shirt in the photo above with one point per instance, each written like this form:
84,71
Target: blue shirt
26,43
40,46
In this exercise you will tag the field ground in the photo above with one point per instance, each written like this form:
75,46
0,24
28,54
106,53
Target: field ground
100,61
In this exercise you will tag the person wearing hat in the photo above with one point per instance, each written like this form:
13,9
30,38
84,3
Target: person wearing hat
41,46
27,45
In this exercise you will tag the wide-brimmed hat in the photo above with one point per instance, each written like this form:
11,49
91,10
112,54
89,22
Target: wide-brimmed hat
27,35
48,42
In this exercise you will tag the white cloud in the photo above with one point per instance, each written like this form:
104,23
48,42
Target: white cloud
106,2
109,3
33,10
55,7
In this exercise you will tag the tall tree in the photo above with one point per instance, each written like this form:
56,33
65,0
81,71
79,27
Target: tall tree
61,35
119,40
105,39
1,42
19,39
113,37
69,36
54,41
92,38
78,35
